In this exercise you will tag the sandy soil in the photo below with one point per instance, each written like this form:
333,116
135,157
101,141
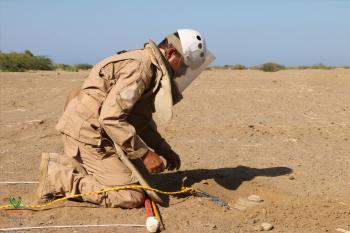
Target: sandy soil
283,136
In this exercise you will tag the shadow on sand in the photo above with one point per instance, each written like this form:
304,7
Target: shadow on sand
229,178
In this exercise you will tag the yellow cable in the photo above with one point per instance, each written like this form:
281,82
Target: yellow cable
183,190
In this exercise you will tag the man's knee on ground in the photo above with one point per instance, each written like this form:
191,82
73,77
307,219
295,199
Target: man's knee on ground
126,199
138,197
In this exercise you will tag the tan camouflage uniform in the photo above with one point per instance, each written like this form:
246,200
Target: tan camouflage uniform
114,104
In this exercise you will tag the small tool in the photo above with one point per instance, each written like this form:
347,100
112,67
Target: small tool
157,214
152,223
215,199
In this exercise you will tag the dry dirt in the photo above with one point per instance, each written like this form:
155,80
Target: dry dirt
283,136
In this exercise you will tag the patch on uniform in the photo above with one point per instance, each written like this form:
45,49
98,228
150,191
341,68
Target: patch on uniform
131,94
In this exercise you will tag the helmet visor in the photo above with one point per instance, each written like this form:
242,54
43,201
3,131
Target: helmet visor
186,75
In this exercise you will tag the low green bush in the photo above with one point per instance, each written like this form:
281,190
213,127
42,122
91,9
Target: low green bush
71,69
235,67
321,66
271,67
238,67
60,66
215,67
74,68
83,66
15,62
19,62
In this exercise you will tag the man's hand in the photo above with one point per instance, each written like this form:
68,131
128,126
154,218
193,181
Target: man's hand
153,162
172,160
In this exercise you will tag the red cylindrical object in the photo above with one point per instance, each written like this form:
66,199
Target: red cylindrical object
148,207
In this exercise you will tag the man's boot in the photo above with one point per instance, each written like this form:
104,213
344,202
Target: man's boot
46,188
71,162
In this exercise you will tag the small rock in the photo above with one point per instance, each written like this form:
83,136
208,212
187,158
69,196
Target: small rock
266,226
211,226
291,177
253,221
255,198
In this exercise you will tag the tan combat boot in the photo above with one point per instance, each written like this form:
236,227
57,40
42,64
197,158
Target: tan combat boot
46,190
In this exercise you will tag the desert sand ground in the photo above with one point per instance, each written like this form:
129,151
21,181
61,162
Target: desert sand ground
284,136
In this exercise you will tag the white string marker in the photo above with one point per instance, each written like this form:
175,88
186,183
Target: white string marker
71,226
19,182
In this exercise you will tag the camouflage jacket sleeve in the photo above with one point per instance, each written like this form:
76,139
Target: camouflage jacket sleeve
132,80
152,137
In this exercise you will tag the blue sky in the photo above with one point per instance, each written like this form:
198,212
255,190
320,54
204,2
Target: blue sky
248,32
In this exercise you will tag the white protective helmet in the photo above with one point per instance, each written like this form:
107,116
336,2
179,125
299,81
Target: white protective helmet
193,47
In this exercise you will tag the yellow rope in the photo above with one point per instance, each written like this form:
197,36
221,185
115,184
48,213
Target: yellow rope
183,190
